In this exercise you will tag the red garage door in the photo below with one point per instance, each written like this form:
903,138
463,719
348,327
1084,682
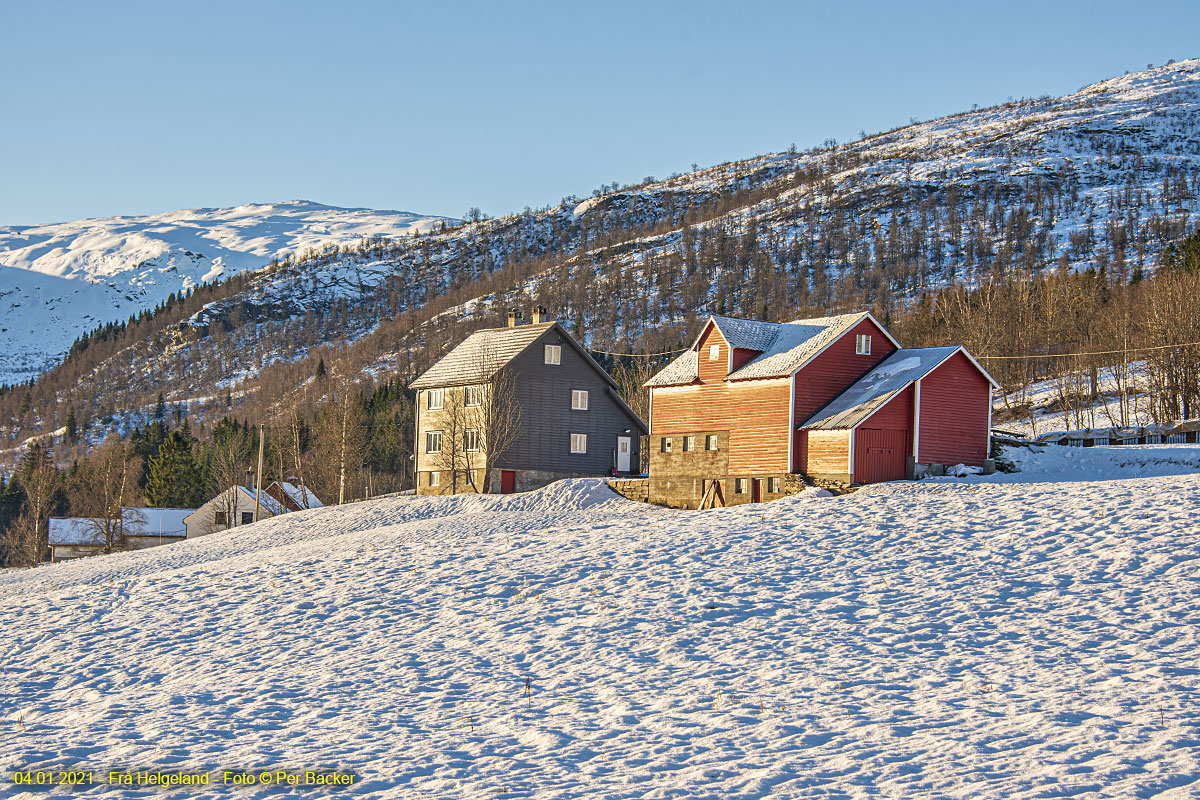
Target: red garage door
880,455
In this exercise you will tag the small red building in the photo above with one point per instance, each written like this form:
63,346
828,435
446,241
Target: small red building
752,407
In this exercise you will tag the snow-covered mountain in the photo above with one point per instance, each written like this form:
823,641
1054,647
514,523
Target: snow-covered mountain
60,280
1104,179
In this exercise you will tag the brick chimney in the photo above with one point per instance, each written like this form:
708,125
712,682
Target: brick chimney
514,318
540,315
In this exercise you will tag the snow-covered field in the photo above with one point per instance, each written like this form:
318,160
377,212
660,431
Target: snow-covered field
1014,636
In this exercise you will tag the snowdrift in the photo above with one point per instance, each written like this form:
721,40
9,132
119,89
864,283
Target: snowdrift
986,637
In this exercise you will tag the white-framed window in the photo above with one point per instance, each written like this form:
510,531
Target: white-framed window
714,352
471,438
710,442
433,441
772,485
578,442
665,445
689,444
435,398
473,396
435,479
554,354
862,344
579,400
741,485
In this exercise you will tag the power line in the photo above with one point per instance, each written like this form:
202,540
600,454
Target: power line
1095,353
639,355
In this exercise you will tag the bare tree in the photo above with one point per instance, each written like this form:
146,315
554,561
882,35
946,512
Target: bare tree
230,460
341,436
110,484
457,436
25,543
493,417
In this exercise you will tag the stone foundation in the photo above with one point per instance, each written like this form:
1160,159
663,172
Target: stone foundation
634,488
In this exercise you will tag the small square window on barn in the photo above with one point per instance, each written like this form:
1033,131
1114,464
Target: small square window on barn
772,485
666,444
579,400
553,354
710,442
247,517
862,344
741,485
434,398
578,442
689,444
714,352
220,518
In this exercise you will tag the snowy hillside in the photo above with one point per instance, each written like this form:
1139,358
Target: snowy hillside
1016,636
1103,179
58,281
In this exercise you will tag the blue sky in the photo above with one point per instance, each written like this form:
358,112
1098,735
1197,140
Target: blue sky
135,108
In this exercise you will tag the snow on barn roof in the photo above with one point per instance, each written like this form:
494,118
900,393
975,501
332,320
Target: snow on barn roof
138,522
478,357
300,495
680,371
784,346
485,352
870,392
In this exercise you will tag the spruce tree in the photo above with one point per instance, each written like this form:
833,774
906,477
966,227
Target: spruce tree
175,479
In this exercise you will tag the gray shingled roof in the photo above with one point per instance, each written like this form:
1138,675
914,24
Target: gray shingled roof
870,392
480,356
785,346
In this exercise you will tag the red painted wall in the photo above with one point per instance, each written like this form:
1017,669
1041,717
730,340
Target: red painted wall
891,425
828,375
954,414
896,413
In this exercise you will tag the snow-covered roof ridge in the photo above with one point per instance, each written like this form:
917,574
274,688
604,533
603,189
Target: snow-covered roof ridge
795,343
167,522
478,357
300,495
870,392
747,334
783,346
679,372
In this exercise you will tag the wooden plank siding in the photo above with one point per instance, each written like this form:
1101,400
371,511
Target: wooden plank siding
709,369
829,452
827,375
754,412
896,413
954,414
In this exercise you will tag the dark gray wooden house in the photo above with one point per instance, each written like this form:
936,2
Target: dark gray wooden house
512,409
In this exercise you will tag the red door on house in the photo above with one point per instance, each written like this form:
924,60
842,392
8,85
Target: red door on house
756,490
880,455
508,481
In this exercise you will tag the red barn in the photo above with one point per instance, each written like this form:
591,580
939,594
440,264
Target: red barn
753,407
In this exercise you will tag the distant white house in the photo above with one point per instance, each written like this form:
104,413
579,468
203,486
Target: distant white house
235,506
76,537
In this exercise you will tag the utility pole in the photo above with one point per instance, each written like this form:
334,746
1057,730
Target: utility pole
258,475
